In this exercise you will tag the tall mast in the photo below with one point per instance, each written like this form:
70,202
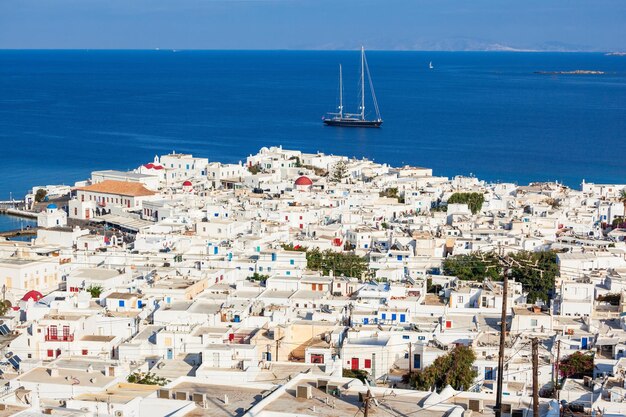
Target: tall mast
362,83
340,93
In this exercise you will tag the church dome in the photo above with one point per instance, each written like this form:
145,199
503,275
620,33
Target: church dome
304,180
34,295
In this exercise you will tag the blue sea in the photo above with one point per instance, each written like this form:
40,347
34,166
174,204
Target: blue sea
16,223
66,113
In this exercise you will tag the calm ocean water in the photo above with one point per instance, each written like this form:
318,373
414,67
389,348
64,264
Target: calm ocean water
66,113
16,223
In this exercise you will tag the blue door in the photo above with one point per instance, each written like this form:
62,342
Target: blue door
417,361
402,318
170,354
583,343
366,320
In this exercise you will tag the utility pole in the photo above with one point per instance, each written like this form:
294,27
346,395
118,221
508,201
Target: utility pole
556,367
366,400
277,345
535,377
410,360
503,329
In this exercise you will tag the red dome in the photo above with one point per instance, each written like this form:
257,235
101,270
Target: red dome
152,166
303,180
34,295
187,184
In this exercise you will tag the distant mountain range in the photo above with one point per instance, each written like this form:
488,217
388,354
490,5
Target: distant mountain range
453,44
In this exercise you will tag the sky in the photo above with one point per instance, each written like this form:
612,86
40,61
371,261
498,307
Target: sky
571,25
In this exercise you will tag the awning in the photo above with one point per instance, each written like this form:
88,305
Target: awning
123,222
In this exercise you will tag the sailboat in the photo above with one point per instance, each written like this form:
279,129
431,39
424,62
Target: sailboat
342,119
430,65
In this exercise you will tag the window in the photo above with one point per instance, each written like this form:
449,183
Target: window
533,322
394,317
291,262
459,299
489,373
85,352
121,303
50,353
405,337
368,363
448,324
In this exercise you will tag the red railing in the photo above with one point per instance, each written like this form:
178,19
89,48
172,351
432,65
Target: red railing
59,338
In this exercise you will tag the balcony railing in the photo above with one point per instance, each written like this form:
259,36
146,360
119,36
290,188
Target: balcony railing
59,338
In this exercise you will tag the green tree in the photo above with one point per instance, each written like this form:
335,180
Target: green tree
146,379
455,369
536,271
40,195
576,365
342,264
473,267
95,290
291,247
473,200
297,164
258,277
254,169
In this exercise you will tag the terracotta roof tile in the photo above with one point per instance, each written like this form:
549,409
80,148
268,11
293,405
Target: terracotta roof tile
126,188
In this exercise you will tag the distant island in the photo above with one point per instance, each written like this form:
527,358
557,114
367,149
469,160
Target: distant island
615,54
575,72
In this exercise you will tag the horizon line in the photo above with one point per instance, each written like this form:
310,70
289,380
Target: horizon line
158,49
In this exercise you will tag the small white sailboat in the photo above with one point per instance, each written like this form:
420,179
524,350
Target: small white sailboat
430,65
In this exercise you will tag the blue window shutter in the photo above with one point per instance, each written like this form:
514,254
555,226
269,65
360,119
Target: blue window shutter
121,303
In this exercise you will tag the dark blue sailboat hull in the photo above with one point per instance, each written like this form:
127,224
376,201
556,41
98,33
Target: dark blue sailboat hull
352,123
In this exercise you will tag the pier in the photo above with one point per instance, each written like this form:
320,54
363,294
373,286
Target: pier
18,212
19,232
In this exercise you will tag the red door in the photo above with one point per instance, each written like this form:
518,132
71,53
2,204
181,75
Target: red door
355,364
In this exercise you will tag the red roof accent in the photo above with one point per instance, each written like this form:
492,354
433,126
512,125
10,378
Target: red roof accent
187,184
303,180
150,165
32,294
